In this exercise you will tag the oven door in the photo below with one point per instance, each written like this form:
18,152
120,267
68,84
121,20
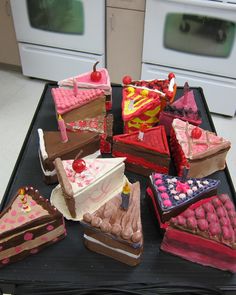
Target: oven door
68,24
196,35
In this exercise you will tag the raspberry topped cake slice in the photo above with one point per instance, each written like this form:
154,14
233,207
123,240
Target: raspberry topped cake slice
171,194
202,151
28,225
115,229
205,233
145,150
86,184
184,108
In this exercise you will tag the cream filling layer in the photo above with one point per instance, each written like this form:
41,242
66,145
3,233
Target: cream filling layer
31,244
42,144
111,248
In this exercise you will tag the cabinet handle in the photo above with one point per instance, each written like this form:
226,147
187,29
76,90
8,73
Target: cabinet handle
112,22
8,8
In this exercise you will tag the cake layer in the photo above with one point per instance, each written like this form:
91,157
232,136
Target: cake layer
90,189
199,250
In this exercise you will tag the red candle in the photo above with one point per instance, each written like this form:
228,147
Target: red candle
62,127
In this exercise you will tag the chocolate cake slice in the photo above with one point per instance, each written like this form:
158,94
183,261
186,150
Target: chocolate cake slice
51,147
28,225
143,154
171,194
205,233
116,231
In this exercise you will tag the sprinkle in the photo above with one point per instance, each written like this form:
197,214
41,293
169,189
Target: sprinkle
182,196
190,181
189,192
167,203
176,197
164,196
194,188
205,182
161,188
173,192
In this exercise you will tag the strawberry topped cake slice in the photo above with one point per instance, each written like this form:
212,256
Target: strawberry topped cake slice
202,151
86,184
205,233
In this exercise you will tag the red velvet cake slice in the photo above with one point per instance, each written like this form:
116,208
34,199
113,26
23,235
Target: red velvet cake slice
205,233
171,194
115,230
145,151
28,225
201,150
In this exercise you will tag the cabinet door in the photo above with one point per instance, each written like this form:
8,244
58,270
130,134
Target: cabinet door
124,43
9,53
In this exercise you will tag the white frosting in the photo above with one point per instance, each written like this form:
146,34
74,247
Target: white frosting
111,248
47,173
42,144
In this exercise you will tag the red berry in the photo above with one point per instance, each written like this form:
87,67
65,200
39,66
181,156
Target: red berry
171,75
196,133
126,80
78,165
95,76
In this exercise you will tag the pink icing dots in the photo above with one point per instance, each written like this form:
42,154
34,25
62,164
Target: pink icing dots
167,203
50,227
13,213
161,188
164,196
158,181
32,216
28,236
157,175
21,219
18,249
34,251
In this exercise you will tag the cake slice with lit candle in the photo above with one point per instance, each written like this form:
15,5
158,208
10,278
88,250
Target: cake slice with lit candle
28,225
115,229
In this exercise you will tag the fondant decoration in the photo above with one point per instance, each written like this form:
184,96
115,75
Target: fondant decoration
184,108
171,196
51,147
203,154
115,232
28,225
143,100
143,156
205,233
91,188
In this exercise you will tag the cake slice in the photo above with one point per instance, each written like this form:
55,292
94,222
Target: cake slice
146,154
86,81
202,151
51,147
171,194
28,225
184,108
143,100
87,184
205,233
115,232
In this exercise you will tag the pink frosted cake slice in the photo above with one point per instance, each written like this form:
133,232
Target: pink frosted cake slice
201,150
28,225
89,189
205,233
184,108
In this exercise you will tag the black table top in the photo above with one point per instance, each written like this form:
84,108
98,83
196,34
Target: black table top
69,267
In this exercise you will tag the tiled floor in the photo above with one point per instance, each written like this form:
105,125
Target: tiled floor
19,97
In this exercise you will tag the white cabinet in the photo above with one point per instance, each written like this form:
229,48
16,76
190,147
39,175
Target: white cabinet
124,39
9,53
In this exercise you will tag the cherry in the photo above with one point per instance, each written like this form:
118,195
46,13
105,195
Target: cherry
196,133
95,76
126,80
78,165
171,75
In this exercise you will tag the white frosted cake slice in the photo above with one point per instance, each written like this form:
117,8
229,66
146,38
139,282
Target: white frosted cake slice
86,191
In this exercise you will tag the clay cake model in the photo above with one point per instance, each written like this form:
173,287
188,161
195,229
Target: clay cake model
95,79
171,194
142,101
201,150
51,147
144,154
184,108
205,233
28,225
75,104
115,231
87,184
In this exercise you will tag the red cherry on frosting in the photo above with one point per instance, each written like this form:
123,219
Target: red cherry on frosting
196,133
171,75
78,165
126,80
95,76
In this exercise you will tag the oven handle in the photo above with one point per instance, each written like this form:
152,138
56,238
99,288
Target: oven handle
203,3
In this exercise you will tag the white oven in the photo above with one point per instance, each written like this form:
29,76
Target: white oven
58,38
196,39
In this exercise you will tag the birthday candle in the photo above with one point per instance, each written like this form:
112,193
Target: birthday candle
62,127
141,131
